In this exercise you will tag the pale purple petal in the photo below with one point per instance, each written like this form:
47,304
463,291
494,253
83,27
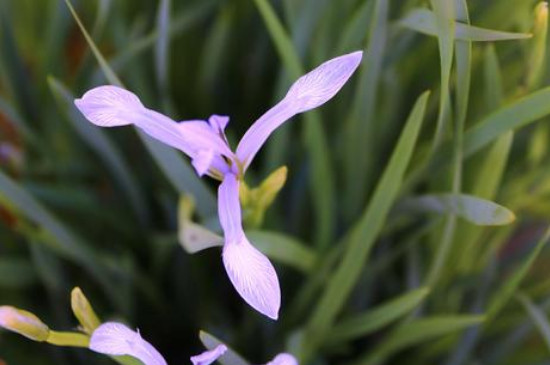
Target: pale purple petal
250,272
110,106
203,161
116,339
283,359
218,122
320,85
208,357
199,135
308,92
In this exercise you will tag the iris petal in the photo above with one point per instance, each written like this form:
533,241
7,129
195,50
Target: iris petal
111,106
116,339
250,271
209,356
308,92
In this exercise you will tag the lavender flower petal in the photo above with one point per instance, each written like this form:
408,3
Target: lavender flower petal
110,106
208,357
251,273
116,339
308,92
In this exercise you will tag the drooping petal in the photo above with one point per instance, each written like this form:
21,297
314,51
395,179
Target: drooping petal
283,359
250,272
110,106
208,357
308,92
116,339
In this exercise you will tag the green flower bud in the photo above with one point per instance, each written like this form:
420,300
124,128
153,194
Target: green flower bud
24,323
83,311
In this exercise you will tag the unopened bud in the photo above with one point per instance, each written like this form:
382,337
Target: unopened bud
83,311
24,323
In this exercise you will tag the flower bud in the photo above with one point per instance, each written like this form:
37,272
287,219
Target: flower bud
24,323
83,311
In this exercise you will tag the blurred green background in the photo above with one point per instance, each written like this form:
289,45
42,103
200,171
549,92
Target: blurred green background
382,254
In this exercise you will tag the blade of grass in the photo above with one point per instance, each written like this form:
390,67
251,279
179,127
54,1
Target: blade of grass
361,141
364,234
493,166
354,32
102,146
179,24
65,243
284,249
13,71
418,331
511,285
424,21
174,167
360,325
322,179
537,316
475,210
444,20
162,65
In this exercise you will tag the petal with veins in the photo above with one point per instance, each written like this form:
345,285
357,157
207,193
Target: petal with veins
308,92
250,272
109,106
208,357
116,339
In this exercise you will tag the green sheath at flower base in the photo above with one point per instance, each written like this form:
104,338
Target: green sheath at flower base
23,322
83,311
255,202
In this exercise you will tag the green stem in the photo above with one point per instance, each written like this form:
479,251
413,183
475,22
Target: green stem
71,339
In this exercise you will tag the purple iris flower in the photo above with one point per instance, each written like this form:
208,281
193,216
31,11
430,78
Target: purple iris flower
116,339
251,273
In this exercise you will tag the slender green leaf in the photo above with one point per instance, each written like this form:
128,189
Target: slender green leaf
537,54
322,177
444,22
364,233
282,41
284,249
360,325
476,210
513,116
162,45
354,32
538,317
424,21
230,357
102,146
65,242
178,172
178,25
503,294
361,127
418,331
